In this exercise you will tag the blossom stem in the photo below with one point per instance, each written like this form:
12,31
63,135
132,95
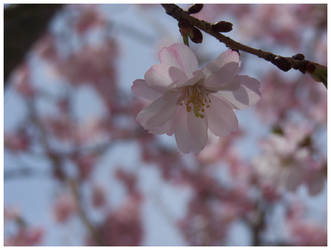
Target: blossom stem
185,40
317,71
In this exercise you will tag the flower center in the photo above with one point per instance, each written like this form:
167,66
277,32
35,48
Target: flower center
196,99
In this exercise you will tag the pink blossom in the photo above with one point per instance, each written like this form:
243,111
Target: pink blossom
19,141
123,226
185,101
286,163
26,237
64,207
307,233
98,196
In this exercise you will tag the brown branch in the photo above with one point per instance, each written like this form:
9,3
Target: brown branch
318,71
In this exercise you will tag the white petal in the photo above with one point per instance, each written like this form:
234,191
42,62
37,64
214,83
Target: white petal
142,90
158,112
186,141
226,57
166,128
161,77
221,118
179,56
197,76
158,77
247,94
177,75
222,77
198,129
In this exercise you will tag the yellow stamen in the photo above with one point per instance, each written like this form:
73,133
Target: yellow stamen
196,99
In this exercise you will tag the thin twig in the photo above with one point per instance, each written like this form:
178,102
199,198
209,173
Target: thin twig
283,63
56,160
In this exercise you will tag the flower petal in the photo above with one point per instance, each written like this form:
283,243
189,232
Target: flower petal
222,77
247,94
142,90
161,77
186,141
158,77
198,129
166,128
177,75
179,56
226,57
159,112
221,118
197,76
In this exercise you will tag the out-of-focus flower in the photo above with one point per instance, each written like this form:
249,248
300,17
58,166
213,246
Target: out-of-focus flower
304,233
11,213
64,207
186,101
17,142
85,164
98,196
123,226
287,163
276,88
25,237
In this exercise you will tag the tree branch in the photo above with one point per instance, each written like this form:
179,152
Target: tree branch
57,165
317,71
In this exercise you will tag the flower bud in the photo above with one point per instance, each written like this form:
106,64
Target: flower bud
222,26
298,57
185,27
196,35
195,8
282,63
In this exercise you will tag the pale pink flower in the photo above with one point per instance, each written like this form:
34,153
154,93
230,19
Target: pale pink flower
286,163
65,206
186,101
307,233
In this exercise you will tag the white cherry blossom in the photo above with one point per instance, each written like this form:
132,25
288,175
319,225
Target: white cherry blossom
187,101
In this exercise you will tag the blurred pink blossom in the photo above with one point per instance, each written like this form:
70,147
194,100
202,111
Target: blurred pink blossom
123,226
307,233
18,141
64,207
26,237
98,196
286,163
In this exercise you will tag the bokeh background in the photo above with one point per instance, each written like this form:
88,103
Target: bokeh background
79,170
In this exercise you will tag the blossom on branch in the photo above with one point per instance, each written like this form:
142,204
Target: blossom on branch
187,101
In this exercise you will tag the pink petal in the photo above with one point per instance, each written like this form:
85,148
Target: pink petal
166,128
222,77
247,94
197,76
186,141
198,129
226,57
162,76
221,118
177,75
179,56
315,181
142,90
158,77
158,112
